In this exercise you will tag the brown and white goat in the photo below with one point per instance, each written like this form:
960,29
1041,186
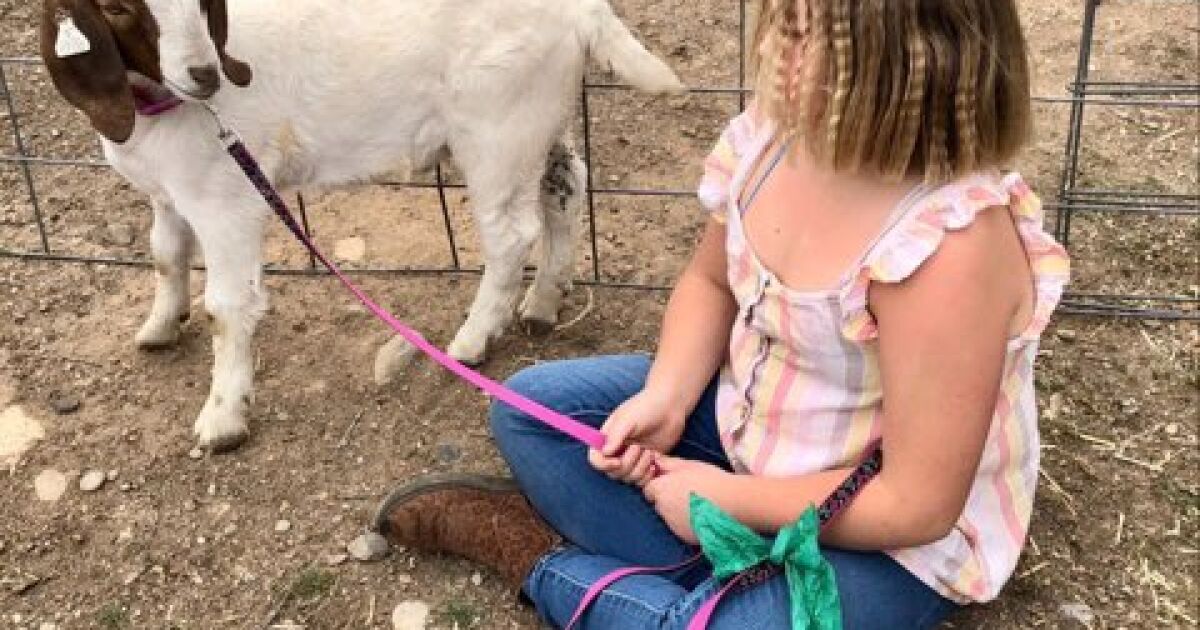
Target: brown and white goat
340,92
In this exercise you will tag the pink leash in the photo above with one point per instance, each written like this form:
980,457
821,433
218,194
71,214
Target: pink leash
581,432
586,434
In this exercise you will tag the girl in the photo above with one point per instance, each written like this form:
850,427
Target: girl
867,272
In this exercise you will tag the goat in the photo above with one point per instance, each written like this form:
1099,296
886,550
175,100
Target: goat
328,93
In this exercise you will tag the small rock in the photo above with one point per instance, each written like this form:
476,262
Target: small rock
392,359
113,474
120,234
196,453
50,485
1066,334
48,626
335,559
92,480
447,452
18,433
410,615
65,404
476,579
133,576
282,526
1172,429
368,548
352,249
1081,613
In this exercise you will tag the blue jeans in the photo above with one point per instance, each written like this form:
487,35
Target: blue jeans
610,525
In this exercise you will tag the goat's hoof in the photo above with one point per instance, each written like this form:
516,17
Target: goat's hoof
225,443
471,354
157,335
539,310
537,327
392,358
219,430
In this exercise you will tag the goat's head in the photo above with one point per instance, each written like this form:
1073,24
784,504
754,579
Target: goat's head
92,47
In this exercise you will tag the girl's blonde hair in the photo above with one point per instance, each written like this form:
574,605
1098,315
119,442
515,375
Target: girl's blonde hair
932,88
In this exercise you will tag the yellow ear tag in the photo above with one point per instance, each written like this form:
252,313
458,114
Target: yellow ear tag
71,41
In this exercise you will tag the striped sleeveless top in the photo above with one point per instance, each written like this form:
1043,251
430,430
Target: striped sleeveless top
801,390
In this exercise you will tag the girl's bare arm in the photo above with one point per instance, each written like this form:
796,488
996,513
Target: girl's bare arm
697,323
942,342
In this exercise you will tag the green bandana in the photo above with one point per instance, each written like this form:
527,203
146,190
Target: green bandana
732,548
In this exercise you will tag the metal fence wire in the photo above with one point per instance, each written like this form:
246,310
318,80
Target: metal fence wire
1073,200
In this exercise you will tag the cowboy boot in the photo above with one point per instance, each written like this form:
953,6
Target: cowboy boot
484,519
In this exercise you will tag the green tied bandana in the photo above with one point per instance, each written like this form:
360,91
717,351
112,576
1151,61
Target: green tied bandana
733,548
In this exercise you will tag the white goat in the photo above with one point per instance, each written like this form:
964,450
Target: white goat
341,92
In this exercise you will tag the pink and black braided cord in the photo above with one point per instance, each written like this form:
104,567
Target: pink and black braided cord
830,509
840,498
250,167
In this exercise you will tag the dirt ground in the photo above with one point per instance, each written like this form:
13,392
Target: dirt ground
176,542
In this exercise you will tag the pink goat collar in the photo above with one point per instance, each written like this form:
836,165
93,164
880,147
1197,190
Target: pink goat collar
149,104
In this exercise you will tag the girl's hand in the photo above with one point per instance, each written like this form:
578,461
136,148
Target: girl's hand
648,424
670,492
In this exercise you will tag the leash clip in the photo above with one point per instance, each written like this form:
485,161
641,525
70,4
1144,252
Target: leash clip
225,134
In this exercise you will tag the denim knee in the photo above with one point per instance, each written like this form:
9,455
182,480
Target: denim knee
530,383
587,389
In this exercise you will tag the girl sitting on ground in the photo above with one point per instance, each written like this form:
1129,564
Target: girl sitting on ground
867,272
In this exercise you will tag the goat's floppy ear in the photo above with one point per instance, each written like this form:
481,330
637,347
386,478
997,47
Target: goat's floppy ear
85,65
218,27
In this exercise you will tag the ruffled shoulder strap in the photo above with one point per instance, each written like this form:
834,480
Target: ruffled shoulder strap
951,208
723,161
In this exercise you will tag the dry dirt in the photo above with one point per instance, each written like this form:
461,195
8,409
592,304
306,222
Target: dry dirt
178,542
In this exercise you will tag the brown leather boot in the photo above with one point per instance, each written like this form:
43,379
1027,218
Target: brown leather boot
484,519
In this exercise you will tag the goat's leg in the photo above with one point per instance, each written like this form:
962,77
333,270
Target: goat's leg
563,190
236,300
508,218
171,242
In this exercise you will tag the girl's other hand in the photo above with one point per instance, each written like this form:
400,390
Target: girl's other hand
636,433
670,492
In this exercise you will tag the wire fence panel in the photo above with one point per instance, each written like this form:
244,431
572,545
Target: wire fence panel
32,168
1105,203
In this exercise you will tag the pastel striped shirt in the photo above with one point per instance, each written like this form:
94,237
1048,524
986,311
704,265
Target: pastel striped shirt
801,391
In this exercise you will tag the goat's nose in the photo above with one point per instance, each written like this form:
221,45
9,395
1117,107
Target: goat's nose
207,79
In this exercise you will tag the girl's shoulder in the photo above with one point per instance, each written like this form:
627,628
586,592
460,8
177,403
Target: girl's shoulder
950,208
736,143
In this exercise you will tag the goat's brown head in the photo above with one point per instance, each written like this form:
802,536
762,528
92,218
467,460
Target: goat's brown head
179,44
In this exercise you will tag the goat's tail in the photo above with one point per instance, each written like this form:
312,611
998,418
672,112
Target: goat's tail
611,43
